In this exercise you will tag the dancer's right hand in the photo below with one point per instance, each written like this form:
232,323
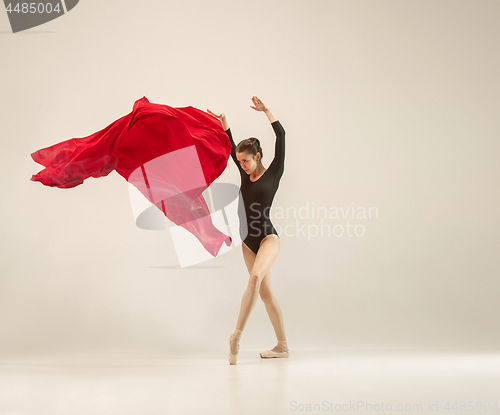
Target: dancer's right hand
220,116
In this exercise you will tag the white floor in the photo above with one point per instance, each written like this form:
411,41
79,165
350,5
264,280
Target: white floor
438,382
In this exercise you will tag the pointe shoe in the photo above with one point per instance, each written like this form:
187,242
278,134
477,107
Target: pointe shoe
272,353
233,357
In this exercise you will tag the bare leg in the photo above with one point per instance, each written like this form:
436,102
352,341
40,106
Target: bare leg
274,312
268,252
250,298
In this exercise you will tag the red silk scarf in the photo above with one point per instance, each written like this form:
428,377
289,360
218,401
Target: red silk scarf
170,154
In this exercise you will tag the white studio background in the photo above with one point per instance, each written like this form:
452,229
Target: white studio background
386,104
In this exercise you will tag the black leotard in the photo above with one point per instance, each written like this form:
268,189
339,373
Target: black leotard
258,195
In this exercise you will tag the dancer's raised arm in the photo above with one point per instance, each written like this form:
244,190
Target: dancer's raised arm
225,125
278,163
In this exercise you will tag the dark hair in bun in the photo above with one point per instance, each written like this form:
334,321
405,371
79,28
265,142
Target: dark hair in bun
251,146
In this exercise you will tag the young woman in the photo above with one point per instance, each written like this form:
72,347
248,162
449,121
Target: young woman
261,245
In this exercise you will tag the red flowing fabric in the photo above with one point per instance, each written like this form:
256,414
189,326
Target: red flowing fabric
170,154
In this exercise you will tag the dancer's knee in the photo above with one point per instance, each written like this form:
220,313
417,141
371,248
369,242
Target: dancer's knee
255,280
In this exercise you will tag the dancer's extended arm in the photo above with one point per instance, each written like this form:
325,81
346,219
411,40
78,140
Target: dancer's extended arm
278,163
233,150
225,125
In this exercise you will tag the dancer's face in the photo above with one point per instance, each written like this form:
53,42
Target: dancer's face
247,162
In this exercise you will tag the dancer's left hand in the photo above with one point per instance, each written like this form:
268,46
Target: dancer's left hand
259,105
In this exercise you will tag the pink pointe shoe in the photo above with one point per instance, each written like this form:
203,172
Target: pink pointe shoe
234,357
283,353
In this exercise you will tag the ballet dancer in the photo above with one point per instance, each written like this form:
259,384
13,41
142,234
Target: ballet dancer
261,245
